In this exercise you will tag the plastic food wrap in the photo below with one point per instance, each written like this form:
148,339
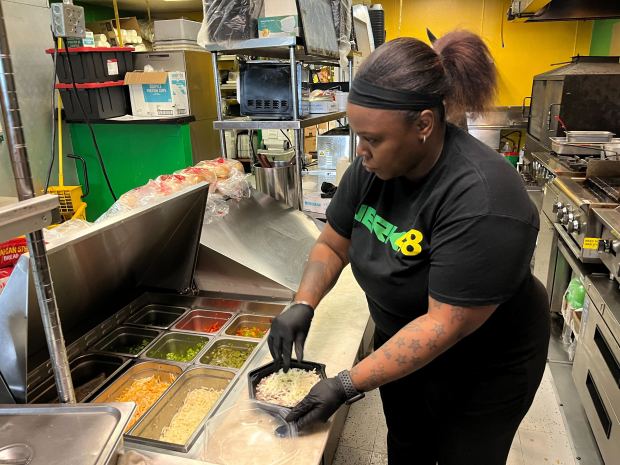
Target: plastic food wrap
227,21
67,229
216,208
222,167
236,186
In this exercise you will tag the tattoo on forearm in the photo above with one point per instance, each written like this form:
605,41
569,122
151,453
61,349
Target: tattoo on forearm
438,329
458,314
414,346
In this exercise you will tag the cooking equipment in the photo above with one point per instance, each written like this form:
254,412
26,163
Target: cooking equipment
588,136
157,316
568,202
564,146
608,245
596,368
127,341
69,434
265,89
89,373
246,321
585,94
151,426
201,321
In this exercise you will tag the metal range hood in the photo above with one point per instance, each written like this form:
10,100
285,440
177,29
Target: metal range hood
563,10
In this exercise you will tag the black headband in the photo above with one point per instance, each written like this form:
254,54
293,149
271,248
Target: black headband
369,95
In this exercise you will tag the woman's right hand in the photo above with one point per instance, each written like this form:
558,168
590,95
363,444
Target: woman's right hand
291,326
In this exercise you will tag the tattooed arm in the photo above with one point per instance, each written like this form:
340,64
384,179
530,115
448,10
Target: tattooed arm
418,343
327,259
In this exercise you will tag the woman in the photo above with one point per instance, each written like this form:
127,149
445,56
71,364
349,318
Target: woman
439,231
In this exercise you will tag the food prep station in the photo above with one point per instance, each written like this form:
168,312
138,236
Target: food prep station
146,320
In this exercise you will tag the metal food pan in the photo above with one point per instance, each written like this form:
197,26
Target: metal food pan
240,306
150,428
589,136
124,338
88,372
162,371
237,344
177,344
248,320
198,321
78,434
157,316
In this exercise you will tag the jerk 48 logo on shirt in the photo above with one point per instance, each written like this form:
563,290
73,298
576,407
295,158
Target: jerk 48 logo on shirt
408,243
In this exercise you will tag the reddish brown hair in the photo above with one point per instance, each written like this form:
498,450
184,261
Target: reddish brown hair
459,68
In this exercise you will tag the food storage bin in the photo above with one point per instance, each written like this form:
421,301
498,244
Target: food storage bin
177,347
88,372
154,427
203,321
157,316
162,376
228,353
248,325
126,340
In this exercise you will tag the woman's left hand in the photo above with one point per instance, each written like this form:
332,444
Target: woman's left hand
321,402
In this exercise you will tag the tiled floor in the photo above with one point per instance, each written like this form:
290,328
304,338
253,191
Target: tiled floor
542,438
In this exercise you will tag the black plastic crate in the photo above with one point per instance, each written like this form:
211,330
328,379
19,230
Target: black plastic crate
99,100
90,64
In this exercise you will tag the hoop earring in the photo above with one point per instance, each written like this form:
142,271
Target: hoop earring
424,139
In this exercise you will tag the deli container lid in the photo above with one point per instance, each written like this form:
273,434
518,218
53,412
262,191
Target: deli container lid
248,434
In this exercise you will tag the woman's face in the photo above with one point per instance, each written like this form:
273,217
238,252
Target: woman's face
389,143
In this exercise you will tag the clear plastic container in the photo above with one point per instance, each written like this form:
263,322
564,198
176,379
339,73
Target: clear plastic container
246,434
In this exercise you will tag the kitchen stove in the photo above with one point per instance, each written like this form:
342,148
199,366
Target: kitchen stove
569,202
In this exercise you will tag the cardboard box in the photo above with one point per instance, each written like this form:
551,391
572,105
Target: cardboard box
310,144
314,203
279,8
323,106
278,26
109,26
161,94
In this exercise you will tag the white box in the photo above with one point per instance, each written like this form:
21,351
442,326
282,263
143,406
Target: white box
280,8
323,106
314,203
162,94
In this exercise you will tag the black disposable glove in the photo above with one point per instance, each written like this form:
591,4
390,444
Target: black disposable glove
291,326
321,402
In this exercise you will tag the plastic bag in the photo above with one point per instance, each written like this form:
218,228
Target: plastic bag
216,208
575,293
222,167
226,21
236,186
67,229
341,11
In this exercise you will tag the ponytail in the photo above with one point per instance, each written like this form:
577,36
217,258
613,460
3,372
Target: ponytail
470,72
459,69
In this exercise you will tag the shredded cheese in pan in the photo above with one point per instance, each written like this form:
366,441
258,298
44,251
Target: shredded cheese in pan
286,389
195,407
144,392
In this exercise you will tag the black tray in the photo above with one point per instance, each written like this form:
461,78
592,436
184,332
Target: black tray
259,373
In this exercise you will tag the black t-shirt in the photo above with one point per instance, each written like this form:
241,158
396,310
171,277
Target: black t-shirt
464,235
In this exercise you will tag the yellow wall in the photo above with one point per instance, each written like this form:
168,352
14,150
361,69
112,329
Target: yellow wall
529,48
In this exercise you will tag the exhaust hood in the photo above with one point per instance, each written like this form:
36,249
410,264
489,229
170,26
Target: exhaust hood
564,10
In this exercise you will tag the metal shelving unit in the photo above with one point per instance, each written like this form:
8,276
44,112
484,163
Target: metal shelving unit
27,216
284,48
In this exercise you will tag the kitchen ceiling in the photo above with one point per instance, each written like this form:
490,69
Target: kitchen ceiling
157,6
